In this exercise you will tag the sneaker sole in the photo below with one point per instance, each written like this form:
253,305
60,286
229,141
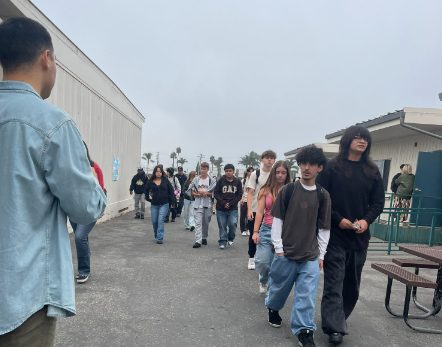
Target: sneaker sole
82,280
275,325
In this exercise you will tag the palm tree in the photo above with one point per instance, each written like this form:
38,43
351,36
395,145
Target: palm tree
173,157
178,152
218,163
252,159
147,157
181,161
212,161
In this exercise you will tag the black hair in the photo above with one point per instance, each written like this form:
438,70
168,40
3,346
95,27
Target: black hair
91,162
160,166
311,155
268,154
370,169
170,170
22,40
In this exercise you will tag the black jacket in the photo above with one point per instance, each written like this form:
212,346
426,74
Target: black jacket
138,183
355,194
160,195
227,192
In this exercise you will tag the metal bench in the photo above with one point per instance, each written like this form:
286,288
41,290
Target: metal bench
410,280
417,263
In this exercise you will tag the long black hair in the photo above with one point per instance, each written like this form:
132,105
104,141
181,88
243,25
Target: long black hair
369,167
155,170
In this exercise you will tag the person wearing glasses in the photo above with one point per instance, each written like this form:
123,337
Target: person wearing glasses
357,193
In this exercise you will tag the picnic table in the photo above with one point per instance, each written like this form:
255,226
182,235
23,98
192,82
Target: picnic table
429,257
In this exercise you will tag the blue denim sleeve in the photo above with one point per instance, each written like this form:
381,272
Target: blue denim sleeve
69,175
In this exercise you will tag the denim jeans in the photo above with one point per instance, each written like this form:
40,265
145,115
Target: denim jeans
283,274
189,219
264,253
158,214
227,222
139,199
82,245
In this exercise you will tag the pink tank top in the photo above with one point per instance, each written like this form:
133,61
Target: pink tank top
268,218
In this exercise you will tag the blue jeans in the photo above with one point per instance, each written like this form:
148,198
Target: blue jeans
82,245
283,274
226,220
158,214
264,253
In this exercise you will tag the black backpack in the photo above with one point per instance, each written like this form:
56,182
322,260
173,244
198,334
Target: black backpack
288,193
258,172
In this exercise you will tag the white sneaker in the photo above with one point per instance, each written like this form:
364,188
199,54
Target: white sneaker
244,233
230,243
262,288
248,233
251,265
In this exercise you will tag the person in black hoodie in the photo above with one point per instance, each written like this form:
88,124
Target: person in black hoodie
357,193
159,192
228,192
138,184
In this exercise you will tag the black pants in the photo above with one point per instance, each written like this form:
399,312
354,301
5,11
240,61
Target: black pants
252,245
342,278
243,217
180,205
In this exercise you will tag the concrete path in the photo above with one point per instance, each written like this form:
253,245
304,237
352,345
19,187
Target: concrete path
144,294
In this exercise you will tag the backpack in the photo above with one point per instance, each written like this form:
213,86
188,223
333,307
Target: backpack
288,193
258,172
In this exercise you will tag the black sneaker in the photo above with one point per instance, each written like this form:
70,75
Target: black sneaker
166,221
335,338
137,216
160,242
142,216
192,228
82,278
305,338
196,245
275,319
173,220
204,241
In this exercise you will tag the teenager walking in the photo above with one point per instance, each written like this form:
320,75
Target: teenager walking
356,189
160,193
256,181
243,205
300,233
175,183
279,176
202,189
227,192
138,186
189,202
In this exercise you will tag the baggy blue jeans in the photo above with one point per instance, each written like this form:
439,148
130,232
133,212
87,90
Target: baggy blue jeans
283,274
81,233
158,214
264,253
227,222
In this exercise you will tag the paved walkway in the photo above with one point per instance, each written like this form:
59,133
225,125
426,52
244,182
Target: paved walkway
144,294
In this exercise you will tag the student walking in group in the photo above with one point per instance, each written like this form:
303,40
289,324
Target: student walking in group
189,202
300,233
255,182
243,205
202,189
160,193
182,178
138,186
405,185
227,192
175,183
357,191
279,176
81,231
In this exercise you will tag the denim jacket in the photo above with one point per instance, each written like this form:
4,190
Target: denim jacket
45,176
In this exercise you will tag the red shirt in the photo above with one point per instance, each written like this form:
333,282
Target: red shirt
99,175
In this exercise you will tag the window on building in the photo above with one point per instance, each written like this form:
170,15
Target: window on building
384,169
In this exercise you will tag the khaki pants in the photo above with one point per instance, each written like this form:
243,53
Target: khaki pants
37,331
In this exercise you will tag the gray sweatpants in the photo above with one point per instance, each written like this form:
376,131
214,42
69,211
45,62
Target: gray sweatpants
139,198
202,220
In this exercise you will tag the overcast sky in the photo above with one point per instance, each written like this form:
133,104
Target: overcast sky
226,77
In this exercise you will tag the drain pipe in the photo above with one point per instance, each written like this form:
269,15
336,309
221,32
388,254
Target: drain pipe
402,122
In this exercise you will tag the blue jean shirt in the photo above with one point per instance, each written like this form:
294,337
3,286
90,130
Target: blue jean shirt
44,177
